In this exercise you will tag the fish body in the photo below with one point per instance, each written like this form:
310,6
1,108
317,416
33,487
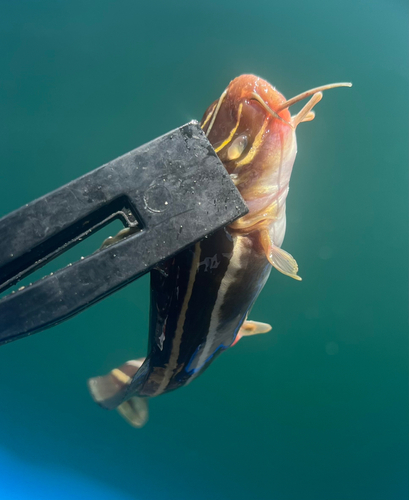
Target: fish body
195,312
200,299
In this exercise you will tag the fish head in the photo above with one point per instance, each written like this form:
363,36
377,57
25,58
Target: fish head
253,133
256,144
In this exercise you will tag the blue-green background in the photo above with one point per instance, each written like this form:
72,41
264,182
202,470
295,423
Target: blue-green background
316,409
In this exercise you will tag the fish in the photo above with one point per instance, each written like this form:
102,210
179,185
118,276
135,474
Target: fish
201,298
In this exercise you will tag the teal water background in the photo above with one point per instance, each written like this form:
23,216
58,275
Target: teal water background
316,409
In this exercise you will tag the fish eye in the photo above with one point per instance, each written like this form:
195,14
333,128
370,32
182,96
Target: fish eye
237,147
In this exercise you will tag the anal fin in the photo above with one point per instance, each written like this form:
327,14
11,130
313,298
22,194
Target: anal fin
135,411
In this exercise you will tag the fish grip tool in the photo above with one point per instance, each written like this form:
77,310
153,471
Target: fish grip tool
171,192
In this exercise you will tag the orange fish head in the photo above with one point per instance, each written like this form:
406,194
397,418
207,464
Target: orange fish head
253,133
233,123
254,141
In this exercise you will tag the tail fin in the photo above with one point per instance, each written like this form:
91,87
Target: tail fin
135,411
110,390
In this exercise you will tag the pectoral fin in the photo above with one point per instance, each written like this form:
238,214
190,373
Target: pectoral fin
249,328
279,258
123,233
253,328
